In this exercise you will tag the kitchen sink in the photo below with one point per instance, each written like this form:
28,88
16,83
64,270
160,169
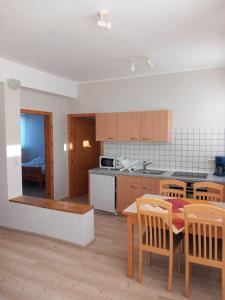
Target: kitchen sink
153,172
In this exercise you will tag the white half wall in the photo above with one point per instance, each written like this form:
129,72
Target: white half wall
35,79
74,228
196,98
58,105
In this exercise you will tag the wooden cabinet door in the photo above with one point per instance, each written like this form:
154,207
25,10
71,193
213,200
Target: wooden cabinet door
127,193
129,126
156,126
123,191
129,188
106,127
147,126
150,189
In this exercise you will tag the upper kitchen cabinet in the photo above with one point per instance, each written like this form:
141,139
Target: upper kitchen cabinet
129,126
156,126
106,126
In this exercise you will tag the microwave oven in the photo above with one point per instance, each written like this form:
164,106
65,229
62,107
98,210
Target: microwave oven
110,162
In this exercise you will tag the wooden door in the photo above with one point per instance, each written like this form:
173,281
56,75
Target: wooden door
156,126
49,175
82,157
106,126
129,126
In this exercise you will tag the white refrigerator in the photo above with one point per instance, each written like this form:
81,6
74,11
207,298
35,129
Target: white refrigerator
102,192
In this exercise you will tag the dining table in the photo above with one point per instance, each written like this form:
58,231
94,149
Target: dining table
177,215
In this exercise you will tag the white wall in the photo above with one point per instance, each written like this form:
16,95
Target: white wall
35,79
75,228
12,131
197,98
4,204
58,105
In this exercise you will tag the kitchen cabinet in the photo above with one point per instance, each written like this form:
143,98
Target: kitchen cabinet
129,126
156,126
152,126
129,188
106,127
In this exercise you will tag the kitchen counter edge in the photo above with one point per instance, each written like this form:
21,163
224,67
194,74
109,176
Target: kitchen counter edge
166,174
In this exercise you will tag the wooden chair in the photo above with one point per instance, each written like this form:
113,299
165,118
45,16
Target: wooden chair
213,192
155,233
204,226
167,188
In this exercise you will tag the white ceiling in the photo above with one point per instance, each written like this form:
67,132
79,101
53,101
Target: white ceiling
61,37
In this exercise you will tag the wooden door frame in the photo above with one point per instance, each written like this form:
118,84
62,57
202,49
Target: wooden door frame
48,127
70,117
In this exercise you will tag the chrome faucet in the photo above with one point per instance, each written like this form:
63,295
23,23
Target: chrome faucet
145,164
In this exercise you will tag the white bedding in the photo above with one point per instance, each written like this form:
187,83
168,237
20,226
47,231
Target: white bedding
36,162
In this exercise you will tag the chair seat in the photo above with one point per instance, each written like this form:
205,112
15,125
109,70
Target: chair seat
177,238
219,247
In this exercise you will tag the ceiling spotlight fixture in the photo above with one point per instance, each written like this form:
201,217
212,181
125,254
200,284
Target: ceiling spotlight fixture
149,63
132,66
102,23
142,59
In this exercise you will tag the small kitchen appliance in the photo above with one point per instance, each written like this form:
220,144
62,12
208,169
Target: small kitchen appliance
103,192
108,162
220,166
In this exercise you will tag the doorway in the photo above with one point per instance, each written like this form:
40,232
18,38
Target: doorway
83,154
37,154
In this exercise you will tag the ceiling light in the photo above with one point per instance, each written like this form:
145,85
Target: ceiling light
140,60
102,23
132,66
149,63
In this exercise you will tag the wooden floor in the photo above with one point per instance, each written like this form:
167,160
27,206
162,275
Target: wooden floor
34,267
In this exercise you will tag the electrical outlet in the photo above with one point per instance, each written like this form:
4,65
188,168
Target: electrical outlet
211,161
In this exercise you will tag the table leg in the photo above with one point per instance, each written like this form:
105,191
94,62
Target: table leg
130,236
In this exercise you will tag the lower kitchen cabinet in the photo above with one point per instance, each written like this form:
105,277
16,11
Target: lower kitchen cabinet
129,188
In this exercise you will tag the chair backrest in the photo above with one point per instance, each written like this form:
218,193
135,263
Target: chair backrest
154,225
172,188
209,191
204,234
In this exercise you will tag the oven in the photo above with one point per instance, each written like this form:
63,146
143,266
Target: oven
189,188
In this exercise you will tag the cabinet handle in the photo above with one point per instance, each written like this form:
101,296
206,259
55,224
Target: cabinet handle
147,188
146,139
134,186
110,138
134,139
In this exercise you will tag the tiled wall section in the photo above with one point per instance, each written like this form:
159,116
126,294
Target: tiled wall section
190,150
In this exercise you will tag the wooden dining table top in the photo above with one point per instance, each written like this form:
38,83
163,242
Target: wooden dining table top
131,210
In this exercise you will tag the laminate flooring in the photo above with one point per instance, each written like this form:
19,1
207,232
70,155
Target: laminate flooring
33,267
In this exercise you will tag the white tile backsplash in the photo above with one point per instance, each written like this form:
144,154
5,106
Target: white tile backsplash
189,150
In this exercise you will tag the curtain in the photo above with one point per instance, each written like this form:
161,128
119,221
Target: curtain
24,131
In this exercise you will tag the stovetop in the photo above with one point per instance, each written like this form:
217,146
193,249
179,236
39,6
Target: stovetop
189,174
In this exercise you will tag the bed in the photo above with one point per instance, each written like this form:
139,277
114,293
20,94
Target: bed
34,171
